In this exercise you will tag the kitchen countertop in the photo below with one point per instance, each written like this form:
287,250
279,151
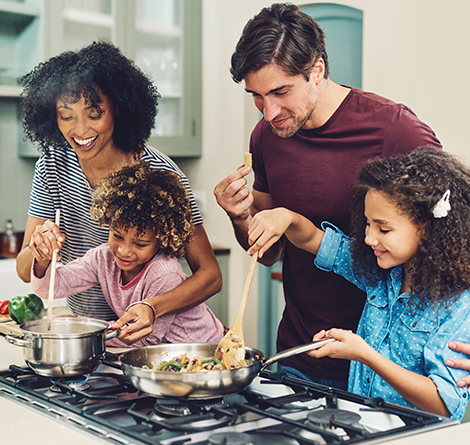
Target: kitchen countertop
22,423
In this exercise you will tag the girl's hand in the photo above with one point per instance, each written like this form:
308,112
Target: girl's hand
46,239
320,335
266,228
348,346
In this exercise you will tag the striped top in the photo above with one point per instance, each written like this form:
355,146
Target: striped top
59,183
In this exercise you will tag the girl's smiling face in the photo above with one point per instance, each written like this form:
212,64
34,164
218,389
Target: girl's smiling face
390,232
87,129
132,251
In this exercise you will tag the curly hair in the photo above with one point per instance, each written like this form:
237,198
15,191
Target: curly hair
137,196
283,35
94,69
440,269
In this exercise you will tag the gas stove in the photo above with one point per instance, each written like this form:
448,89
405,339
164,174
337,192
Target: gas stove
274,409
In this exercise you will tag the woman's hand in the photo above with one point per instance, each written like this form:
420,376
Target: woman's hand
46,239
348,346
463,363
266,228
139,320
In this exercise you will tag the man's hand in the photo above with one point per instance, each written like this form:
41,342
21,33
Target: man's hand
234,196
460,363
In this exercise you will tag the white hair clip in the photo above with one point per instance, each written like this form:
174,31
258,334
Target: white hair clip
442,207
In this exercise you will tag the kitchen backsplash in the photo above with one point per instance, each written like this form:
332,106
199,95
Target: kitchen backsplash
12,285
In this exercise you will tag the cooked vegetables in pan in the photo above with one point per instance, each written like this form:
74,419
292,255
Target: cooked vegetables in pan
183,363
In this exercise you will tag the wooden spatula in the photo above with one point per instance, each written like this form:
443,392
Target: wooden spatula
231,349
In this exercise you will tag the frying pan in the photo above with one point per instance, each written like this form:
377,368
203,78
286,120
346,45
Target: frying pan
202,384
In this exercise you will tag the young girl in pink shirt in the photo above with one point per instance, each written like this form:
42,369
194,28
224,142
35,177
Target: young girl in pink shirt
150,223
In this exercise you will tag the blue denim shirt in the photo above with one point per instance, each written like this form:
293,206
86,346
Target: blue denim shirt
414,339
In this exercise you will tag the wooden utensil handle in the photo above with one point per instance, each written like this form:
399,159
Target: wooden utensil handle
50,300
248,160
246,289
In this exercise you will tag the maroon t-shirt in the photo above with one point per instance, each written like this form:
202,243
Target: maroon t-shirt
314,173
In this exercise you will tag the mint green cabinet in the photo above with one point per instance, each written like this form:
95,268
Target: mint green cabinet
20,26
21,48
163,37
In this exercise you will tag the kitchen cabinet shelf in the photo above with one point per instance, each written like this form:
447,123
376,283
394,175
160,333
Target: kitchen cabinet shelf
17,15
9,90
171,95
144,30
90,18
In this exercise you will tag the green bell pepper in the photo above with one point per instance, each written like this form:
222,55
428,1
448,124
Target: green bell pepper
26,308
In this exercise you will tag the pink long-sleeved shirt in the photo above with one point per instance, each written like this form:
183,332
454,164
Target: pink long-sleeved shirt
161,274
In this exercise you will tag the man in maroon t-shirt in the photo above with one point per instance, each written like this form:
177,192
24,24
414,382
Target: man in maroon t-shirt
308,149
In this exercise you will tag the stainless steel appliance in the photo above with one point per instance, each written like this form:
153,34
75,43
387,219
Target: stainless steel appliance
273,409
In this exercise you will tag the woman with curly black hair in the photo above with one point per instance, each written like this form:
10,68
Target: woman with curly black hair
150,224
90,113
414,264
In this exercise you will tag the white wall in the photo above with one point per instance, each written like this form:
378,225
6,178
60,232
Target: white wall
415,52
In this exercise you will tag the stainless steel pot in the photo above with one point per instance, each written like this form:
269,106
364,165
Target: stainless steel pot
202,384
73,346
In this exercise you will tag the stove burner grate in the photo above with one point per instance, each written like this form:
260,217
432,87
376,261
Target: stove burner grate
202,421
180,408
329,417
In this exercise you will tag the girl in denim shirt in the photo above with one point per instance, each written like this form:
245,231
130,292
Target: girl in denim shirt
414,265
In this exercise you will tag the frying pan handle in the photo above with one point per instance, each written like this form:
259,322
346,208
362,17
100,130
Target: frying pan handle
294,351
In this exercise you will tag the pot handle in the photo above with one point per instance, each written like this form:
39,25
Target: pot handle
112,334
19,341
294,351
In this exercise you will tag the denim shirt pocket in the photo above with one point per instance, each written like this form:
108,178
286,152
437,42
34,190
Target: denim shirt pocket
409,336
375,310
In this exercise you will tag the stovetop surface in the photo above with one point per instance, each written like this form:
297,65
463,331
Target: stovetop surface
274,409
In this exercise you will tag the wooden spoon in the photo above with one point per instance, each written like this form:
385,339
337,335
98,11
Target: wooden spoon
50,300
231,349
